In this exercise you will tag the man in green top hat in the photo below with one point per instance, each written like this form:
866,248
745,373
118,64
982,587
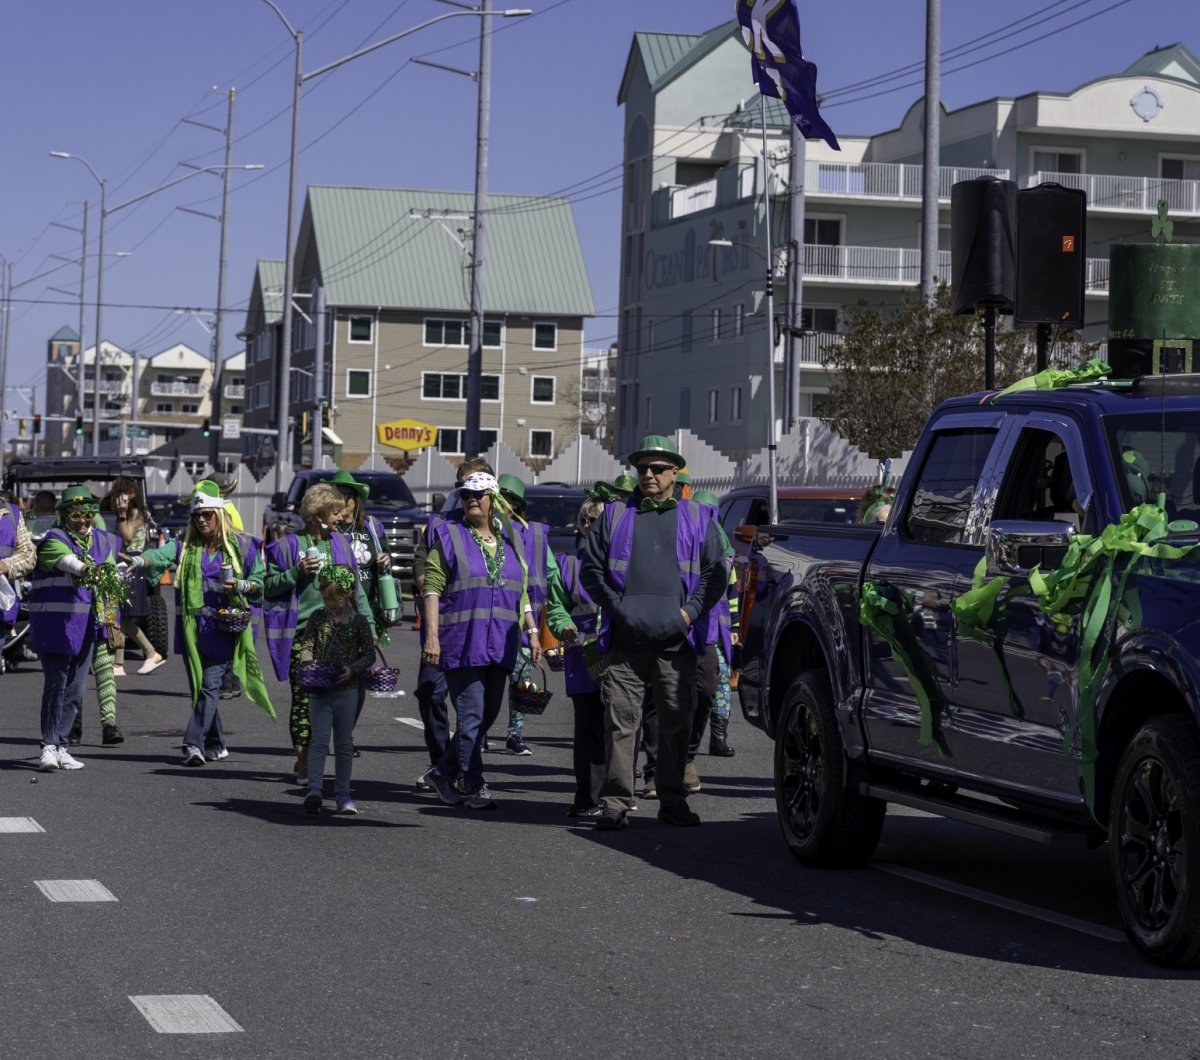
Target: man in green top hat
623,485
654,624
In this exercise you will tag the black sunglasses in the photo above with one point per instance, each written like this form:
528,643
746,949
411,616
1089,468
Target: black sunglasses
654,469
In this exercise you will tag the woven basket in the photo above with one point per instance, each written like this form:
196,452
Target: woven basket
233,619
529,701
593,659
555,659
382,680
314,675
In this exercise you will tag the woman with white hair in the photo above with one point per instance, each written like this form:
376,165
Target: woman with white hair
475,607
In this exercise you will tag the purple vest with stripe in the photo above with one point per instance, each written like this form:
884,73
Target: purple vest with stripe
478,623
689,545
8,544
535,539
61,613
586,616
212,642
281,614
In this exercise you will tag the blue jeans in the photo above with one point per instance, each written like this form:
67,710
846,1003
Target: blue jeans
334,710
431,702
204,729
63,680
477,693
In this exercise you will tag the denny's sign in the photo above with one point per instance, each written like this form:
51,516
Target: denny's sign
407,434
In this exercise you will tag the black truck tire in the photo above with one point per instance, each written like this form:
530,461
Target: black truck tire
827,824
158,626
1154,841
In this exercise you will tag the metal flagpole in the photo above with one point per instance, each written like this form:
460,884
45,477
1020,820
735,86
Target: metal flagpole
772,447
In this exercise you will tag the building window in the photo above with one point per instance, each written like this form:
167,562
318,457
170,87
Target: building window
714,405
64,350
685,342
458,333
362,329
735,404
543,390
739,320
189,410
545,336
1058,161
164,406
358,382
262,395
452,440
819,319
822,231
1179,168
541,443
452,386
716,324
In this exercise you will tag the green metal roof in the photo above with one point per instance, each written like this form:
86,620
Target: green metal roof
666,55
269,277
1161,59
65,334
371,252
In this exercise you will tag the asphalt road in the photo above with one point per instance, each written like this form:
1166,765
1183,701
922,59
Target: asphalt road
417,930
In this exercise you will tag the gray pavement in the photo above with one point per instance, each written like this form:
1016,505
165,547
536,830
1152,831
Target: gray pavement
417,930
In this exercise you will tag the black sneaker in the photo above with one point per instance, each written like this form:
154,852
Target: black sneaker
611,821
585,811
312,803
516,745
75,737
445,788
110,734
680,815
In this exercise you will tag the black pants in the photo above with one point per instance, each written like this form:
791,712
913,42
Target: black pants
707,672
588,748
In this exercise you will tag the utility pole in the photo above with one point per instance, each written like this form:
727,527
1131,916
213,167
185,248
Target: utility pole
319,375
471,444
795,276
6,308
214,439
932,150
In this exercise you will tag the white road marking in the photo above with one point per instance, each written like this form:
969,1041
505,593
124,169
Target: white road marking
1084,927
19,824
184,1014
75,891
416,723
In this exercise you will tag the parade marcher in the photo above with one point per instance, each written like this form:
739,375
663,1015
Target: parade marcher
292,595
431,681
654,566
76,589
218,569
720,653
17,559
222,485
132,528
572,617
540,569
476,607
335,634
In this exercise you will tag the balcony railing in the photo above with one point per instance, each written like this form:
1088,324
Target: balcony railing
1096,277
810,347
177,390
110,387
873,265
234,391
884,180
1129,194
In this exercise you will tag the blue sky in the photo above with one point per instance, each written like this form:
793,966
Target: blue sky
112,82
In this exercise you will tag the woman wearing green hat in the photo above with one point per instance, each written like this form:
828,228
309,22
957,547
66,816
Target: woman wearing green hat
76,583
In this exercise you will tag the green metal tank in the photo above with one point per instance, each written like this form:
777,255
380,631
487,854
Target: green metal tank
1154,309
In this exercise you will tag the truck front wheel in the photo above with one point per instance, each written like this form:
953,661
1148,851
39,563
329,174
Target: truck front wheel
1154,841
826,823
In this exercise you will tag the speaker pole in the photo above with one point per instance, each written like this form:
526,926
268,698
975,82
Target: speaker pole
989,348
1043,347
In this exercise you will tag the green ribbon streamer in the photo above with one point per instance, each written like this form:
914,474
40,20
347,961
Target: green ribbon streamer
973,611
1053,378
880,613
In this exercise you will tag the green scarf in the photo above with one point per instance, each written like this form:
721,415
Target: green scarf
245,660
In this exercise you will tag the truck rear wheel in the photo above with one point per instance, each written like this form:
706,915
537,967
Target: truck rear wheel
1154,841
158,627
826,823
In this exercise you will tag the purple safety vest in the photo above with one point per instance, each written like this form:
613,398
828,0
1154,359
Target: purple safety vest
689,546
213,642
534,542
8,545
61,613
586,616
281,614
478,623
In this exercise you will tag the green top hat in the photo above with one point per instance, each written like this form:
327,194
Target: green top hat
656,445
347,481
513,486
78,497
624,484
706,497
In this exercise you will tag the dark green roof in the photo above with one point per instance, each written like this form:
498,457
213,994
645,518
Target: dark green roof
269,276
666,55
372,251
1158,61
65,334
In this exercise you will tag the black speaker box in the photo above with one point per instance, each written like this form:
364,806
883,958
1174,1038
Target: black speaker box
1051,256
983,253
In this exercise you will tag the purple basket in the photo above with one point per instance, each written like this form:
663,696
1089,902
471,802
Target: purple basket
382,680
232,619
317,676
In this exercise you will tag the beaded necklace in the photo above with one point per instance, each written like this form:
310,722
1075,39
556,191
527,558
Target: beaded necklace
493,559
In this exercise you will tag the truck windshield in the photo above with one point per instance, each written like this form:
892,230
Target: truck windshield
388,490
1156,453
556,512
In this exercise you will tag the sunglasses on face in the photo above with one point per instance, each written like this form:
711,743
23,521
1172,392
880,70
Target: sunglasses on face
477,494
585,521
210,514
654,469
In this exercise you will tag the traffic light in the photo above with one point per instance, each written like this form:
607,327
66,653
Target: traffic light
37,423
326,416
79,425
206,427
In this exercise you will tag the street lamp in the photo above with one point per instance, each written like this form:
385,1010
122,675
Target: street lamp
285,354
105,210
772,447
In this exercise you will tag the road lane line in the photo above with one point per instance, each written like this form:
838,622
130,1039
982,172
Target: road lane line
1084,927
75,891
11,825
416,723
185,1014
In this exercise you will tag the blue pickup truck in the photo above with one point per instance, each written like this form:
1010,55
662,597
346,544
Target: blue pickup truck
1018,646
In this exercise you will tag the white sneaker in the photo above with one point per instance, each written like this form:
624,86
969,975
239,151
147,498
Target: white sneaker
211,755
193,756
49,762
152,664
67,761
118,671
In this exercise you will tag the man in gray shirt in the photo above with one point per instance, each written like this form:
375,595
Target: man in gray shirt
655,567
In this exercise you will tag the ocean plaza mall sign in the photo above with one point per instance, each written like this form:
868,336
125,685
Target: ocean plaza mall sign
407,434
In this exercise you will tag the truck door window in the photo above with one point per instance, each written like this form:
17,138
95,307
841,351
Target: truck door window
945,491
1039,483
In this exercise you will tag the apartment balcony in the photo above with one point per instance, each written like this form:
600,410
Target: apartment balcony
873,266
234,391
883,181
195,390
1125,195
110,388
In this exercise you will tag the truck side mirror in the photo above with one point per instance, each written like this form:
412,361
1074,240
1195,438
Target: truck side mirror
1016,546
279,501
436,502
